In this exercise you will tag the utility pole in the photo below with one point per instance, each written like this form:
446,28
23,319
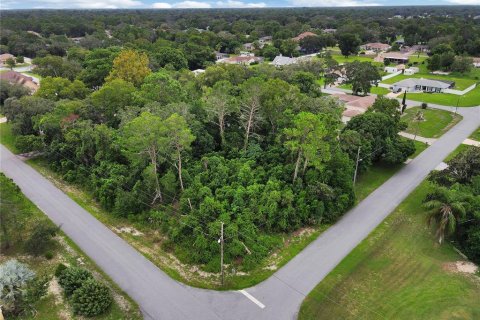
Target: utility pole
221,253
356,166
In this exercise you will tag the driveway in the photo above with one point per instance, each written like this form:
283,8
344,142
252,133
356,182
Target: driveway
278,297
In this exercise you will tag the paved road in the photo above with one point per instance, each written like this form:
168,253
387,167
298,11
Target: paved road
160,297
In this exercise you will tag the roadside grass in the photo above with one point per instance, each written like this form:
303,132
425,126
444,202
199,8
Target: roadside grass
341,59
397,272
436,122
476,135
55,306
33,74
374,89
460,83
7,138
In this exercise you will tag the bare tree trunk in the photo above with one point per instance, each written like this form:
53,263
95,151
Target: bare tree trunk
158,191
297,164
248,127
221,124
180,170
305,163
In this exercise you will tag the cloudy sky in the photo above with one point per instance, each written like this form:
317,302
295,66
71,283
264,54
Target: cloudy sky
168,4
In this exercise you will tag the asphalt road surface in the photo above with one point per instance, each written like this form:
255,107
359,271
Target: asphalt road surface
278,297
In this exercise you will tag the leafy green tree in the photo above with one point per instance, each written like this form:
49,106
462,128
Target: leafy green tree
91,299
110,99
270,52
131,66
11,90
305,140
169,56
179,138
306,81
55,66
349,44
61,88
145,137
361,75
219,104
41,239
445,209
11,63
289,48
97,65
162,88
250,103
73,278
22,112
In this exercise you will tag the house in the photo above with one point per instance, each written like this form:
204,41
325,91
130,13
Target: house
304,35
420,48
354,105
396,57
329,30
198,71
4,57
376,47
245,60
422,85
221,55
476,62
14,77
390,69
400,41
265,40
246,54
248,46
410,71
281,61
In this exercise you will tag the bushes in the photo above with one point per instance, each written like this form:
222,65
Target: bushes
73,278
41,239
91,299
29,143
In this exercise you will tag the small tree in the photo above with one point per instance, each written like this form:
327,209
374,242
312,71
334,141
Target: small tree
41,239
91,299
20,59
11,63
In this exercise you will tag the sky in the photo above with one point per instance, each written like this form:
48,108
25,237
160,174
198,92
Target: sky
169,4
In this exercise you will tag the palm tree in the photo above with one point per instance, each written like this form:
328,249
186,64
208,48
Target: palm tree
445,209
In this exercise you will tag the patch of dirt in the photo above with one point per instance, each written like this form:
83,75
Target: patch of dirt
55,289
460,267
129,230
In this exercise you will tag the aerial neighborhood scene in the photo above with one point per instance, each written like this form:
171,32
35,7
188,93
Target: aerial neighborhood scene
230,160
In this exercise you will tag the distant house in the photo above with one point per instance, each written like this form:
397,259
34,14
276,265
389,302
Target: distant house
245,60
198,71
376,47
14,77
265,40
280,61
77,40
329,30
221,55
390,69
476,62
410,71
420,48
354,105
4,57
422,85
304,35
396,57
248,46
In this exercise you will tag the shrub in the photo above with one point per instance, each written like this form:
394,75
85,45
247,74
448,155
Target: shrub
424,105
60,268
40,239
29,143
92,299
14,278
73,278
49,255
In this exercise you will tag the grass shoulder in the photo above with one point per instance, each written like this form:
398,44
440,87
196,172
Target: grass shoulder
433,124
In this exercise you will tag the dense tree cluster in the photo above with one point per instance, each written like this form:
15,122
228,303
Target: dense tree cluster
455,202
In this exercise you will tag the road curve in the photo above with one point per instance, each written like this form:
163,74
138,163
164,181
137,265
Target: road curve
161,297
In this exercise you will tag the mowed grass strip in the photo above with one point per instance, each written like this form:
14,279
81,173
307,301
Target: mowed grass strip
398,272
435,123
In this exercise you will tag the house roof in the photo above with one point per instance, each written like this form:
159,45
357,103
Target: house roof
241,59
395,55
304,35
16,77
412,82
351,113
357,102
283,61
6,56
377,45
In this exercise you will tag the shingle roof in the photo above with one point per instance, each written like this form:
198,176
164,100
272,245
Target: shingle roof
283,61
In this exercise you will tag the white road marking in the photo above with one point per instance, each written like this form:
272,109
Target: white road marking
252,298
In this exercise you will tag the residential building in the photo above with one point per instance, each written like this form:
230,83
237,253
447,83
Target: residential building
390,69
264,40
221,55
245,60
280,61
376,47
354,105
17,78
410,71
4,57
248,46
396,57
329,30
476,62
304,35
422,85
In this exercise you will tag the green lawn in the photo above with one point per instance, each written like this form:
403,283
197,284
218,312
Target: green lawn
398,272
436,122
460,83
476,135
374,90
6,136
341,59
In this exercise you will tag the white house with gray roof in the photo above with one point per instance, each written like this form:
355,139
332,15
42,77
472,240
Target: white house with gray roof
422,85
280,61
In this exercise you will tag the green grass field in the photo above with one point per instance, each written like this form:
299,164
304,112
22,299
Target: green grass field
398,272
374,90
6,136
476,135
460,83
436,122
